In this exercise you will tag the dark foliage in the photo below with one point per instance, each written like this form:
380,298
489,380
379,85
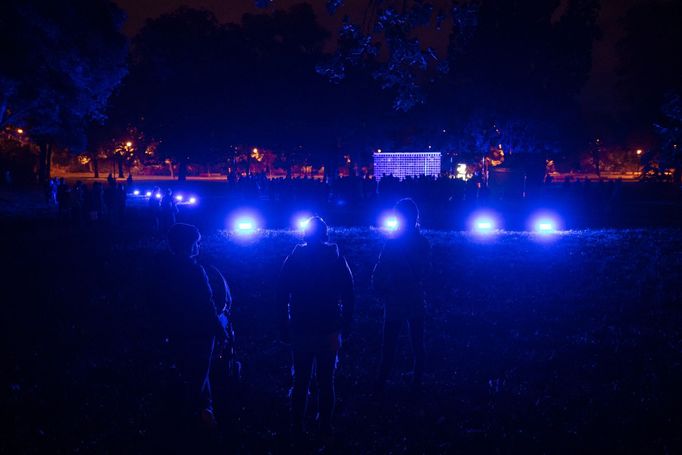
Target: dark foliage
61,62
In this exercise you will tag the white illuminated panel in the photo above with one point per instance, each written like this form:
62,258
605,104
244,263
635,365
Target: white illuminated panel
404,164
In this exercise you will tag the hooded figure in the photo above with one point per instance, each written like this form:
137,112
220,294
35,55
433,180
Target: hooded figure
315,298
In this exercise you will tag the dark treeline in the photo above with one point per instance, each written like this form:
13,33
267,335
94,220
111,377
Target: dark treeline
193,90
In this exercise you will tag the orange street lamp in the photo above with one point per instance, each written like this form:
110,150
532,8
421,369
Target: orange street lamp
639,151
20,131
129,144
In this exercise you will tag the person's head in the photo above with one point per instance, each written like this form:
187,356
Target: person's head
183,240
407,213
316,230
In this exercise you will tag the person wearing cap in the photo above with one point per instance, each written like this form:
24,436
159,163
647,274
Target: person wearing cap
315,299
187,325
398,279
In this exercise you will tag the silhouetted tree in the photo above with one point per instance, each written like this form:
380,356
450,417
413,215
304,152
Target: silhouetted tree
60,63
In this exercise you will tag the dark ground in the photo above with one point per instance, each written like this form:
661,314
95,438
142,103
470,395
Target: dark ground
562,344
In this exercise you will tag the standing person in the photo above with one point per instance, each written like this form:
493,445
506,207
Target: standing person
185,327
315,300
169,210
399,278
154,206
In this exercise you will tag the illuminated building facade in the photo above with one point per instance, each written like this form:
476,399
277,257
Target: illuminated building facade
404,164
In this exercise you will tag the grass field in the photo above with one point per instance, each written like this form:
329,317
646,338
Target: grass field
535,344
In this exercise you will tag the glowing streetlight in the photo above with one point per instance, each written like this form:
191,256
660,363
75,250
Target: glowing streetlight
129,144
20,131
639,151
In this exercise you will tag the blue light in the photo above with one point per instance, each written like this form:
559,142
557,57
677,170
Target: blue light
391,223
136,192
179,197
545,227
148,193
192,200
484,224
158,196
302,223
545,224
245,225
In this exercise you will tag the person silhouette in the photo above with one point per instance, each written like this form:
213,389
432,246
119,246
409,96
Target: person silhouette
168,211
315,300
398,279
185,326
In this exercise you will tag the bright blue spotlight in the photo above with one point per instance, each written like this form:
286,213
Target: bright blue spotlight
391,223
484,224
302,223
148,193
158,196
179,197
136,192
192,200
245,225
545,226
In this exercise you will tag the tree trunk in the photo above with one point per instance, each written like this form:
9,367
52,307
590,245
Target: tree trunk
170,168
44,163
120,167
95,166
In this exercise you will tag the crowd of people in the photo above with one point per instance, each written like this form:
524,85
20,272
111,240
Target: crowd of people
315,300
80,203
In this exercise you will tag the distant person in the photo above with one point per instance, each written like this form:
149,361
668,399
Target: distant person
398,279
169,211
121,199
315,301
186,326
111,181
129,181
154,207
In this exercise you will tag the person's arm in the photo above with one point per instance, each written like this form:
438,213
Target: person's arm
206,306
380,274
347,295
283,297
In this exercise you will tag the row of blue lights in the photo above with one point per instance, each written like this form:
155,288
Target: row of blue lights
481,222
178,197
487,222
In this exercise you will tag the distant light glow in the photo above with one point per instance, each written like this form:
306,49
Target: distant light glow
545,226
20,131
136,192
462,171
484,225
178,197
302,223
148,193
639,151
391,223
158,196
192,200
129,144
